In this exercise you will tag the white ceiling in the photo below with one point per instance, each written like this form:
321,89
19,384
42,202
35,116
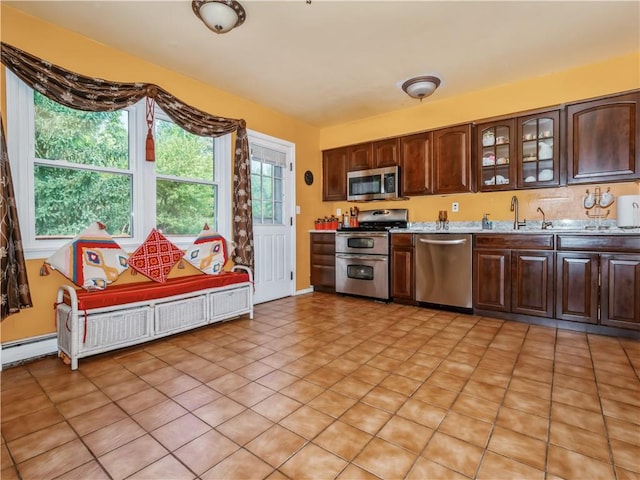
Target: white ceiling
331,62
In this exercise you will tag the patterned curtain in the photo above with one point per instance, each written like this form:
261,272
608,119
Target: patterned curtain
15,285
94,94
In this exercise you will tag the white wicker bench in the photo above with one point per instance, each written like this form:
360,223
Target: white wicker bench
87,327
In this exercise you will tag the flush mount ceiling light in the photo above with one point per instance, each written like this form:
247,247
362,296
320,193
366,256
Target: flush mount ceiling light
421,87
219,15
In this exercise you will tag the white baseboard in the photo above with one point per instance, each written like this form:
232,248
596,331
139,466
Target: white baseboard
305,290
21,350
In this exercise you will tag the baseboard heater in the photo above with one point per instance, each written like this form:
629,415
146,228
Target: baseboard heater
27,349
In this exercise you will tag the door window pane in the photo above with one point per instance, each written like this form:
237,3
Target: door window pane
267,172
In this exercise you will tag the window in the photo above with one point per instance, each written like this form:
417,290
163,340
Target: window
185,190
80,158
71,168
267,172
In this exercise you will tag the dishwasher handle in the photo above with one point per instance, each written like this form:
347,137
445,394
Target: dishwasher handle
429,241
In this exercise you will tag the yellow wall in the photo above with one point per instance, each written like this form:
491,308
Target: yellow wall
88,57
82,55
615,75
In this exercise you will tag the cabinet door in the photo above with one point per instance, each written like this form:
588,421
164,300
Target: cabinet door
415,164
386,153
620,291
323,261
492,280
539,150
361,156
532,283
496,155
603,140
402,282
452,160
577,287
334,174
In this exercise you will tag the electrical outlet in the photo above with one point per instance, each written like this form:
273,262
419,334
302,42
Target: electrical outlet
338,212
455,207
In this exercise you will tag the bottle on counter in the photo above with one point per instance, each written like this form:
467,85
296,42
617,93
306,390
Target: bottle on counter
486,224
353,212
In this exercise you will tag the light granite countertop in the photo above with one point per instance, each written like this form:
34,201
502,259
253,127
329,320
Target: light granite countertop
587,227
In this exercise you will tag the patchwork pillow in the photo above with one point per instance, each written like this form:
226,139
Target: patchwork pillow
155,257
91,260
208,252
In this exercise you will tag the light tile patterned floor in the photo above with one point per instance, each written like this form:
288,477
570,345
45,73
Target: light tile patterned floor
321,386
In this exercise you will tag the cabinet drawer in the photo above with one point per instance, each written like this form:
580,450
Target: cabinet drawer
329,259
402,239
600,243
323,249
514,241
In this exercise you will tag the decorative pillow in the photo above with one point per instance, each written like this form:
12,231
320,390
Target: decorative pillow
208,252
155,257
91,260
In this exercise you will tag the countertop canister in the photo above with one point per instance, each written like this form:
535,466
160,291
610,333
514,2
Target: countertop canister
628,211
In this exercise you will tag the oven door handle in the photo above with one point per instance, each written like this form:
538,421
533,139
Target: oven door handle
362,234
375,258
443,242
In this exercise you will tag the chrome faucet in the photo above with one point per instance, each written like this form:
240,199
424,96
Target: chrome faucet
545,224
514,208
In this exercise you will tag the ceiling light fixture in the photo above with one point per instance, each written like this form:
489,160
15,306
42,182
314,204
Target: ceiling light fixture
219,15
421,87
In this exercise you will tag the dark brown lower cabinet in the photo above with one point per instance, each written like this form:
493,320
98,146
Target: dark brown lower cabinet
402,271
514,274
577,287
532,283
620,297
598,279
323,262
492,283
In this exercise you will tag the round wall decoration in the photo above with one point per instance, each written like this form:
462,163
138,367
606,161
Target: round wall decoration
308,177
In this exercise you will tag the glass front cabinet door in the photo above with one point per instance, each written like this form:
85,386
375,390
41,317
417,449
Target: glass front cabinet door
539,150
496,144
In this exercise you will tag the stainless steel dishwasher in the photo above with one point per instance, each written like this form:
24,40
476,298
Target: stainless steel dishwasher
444,270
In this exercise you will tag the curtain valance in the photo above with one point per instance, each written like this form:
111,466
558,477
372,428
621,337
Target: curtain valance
93,94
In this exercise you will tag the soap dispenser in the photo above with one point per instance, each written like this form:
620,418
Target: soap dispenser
486,224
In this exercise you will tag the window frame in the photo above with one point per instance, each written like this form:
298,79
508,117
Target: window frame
21,150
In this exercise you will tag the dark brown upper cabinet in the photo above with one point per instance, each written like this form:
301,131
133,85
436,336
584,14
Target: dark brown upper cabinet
386,153
452,159
496,155
334,174
538,154
415,164
603,139
360,156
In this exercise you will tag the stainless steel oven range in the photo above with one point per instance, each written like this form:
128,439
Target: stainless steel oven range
362,253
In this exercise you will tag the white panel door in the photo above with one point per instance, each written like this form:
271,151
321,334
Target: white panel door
273,220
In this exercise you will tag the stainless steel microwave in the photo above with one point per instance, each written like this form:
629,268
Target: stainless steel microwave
373,184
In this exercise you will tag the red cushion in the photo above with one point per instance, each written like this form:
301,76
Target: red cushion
138,292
